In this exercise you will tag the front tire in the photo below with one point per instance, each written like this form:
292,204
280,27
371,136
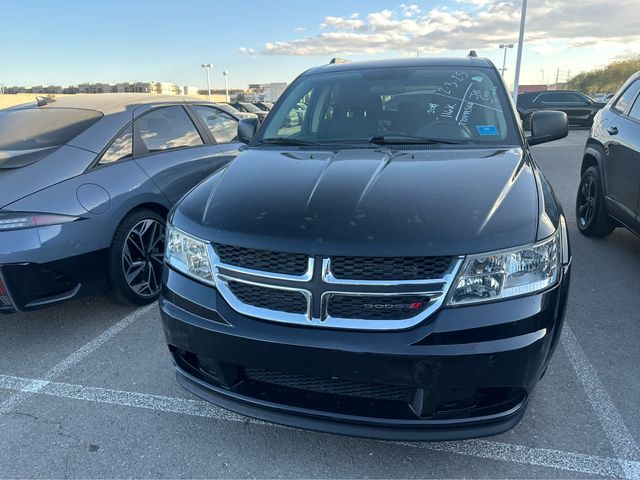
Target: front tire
136,258
591,211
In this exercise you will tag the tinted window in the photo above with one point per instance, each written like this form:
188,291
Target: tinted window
564,97
166,128
222,126
121,147
635,110
33,128
627,97
462,105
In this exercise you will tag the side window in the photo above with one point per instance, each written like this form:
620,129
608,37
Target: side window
120,148
627,97
223,127
635,110
166,128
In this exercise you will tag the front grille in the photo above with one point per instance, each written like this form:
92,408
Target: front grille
5,301
389,268
270,298
276,262
376,307
329,385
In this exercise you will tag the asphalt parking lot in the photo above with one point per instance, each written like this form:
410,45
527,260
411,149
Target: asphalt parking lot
87,390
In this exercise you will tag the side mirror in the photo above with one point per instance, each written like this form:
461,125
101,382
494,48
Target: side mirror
247,128
548,125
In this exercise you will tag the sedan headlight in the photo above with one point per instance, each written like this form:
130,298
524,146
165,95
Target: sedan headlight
21,220
188,255
508,273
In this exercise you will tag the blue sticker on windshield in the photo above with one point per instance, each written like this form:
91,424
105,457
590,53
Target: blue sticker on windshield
487,129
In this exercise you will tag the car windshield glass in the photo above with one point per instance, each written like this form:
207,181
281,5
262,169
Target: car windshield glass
455,105
36,128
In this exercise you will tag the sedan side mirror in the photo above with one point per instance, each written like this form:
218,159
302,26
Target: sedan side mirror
548,125
247,128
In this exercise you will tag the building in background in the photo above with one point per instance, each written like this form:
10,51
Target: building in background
532,88
190,90
271,91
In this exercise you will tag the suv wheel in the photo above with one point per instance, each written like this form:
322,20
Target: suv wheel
591,211
136,258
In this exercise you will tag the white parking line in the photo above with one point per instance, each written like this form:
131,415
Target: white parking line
73,359
622,442
542,457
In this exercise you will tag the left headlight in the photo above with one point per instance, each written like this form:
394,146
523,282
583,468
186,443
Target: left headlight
188,255
508,273
22,220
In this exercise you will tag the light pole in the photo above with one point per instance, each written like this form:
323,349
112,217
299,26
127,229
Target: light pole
504,59
516,83
542,80
207,67
225,74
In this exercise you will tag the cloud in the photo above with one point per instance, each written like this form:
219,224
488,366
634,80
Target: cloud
300,29
249,51
552,26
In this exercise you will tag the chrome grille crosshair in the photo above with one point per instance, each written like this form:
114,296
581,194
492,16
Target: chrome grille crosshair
315,297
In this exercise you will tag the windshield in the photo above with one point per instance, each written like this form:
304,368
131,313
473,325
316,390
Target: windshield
37,128
394,105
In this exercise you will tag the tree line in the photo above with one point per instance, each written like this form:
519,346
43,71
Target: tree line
607,79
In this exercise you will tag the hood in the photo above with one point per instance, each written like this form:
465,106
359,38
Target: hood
17,180
368,202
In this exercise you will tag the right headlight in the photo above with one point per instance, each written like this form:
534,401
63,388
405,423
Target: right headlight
188,255
509,273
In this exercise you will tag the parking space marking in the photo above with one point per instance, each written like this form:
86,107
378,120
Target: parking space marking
542,457
73,359
622,442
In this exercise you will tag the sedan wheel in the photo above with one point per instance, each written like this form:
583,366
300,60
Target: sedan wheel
143,256
136,258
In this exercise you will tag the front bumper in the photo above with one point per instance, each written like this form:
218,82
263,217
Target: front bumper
465,372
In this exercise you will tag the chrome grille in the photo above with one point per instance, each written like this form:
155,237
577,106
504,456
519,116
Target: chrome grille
389,268
373,293
329,385
265,260
288,301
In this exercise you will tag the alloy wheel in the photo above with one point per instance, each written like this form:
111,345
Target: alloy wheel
143,257
587,201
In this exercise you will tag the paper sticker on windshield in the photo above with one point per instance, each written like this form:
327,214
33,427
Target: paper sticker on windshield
487,130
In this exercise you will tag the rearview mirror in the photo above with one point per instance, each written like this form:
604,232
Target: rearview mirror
548,125
247,128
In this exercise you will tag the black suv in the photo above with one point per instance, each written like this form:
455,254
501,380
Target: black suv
388,263
579,108
609,191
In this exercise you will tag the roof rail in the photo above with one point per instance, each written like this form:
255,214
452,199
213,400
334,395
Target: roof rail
335,60
42,101
472,54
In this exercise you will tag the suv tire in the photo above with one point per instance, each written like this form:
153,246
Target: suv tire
591,210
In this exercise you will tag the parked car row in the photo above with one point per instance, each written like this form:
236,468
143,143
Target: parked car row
580,109
378,256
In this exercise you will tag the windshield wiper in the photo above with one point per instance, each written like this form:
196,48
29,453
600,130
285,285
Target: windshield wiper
398,139
286,141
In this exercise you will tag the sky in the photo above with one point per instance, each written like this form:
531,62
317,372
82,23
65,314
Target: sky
69,42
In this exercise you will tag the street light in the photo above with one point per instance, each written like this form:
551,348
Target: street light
516,83
542,80
504,60
207,67
225,74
